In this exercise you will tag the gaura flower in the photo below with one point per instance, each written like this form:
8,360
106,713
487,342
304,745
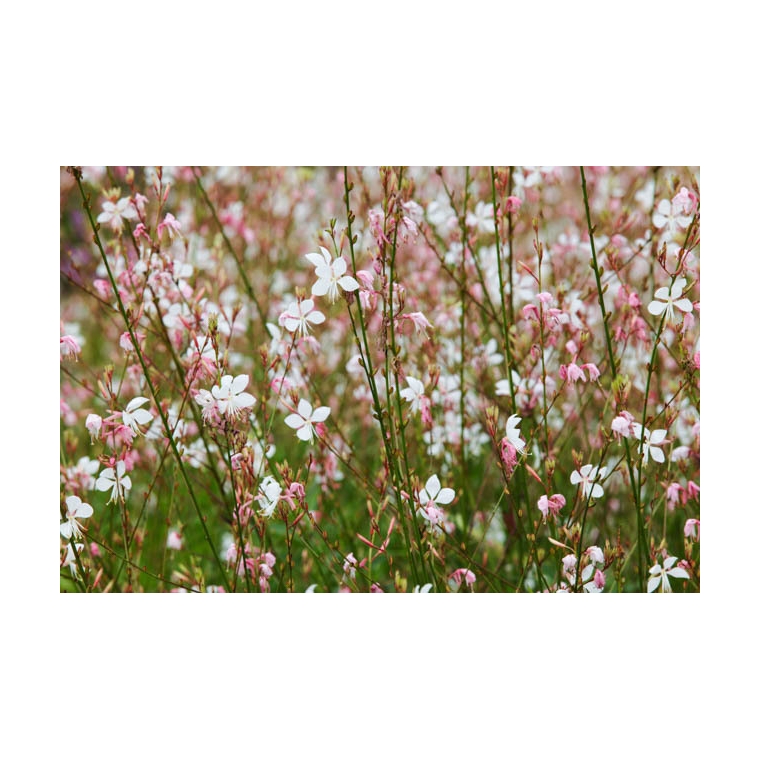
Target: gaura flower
133,416
586,477
303,421
659,575
229,395
76,510
117,481
330,274
668,298
298,316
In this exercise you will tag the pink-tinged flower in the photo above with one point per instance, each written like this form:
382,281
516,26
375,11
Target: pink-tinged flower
596,584
76,510
668,298
650,443
508,456
513,204
375,589
414,393
571,372
513,433
670,218
623,425
174,540
691,529
431,498
593,371
659,575
115,213
586,477
115,480
330,275
171,225
133,416
303,422
684,202
595,555
125,341
460,576
207,402
419,320
69,346
93,423
551,505
349,567
230,396
569,563
299,315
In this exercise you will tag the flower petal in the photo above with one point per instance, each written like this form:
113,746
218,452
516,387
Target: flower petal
294,421
320,414
348,283
445,496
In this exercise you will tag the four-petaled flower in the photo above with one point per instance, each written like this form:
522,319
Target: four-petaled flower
431,498
650,443
230,398
659,574
75,508
303,421
115,213
133,416
117,481
413,393
299,315
668,298
586,476
330,274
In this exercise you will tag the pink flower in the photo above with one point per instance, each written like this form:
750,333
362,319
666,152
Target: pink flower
572,372
462,575
551,505
623,424
593,371
171,225
69,346
691,529
513,204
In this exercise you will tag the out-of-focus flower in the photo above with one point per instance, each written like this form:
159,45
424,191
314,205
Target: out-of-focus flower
69,346
93,423
114,214
70,559
691,529
460,576
413,393
551,505
174,540
513,434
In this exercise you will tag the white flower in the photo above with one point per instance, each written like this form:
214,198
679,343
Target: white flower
659,574
298,316
93,423
70,561
118,482
133,416
269,495
670,217
432,492
650,443
75,508
413,393
230,398
586,477
668,298
513,434
423,589
174,540
115,213
330,274
303,421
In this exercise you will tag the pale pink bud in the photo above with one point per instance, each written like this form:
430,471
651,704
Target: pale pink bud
93,423
513,203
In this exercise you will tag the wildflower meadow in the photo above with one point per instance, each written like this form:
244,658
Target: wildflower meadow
380,379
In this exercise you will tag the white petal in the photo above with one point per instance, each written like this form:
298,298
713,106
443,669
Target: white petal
678,572
348,283
684,304
433,486
320,287
316,318
142,416
445,496
66,530
320,414
339,267
597,491
657,455
239,383
304,409
316,259
654,582
242,400
294,421
575,478
304,433
135,402
656,308
291,323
